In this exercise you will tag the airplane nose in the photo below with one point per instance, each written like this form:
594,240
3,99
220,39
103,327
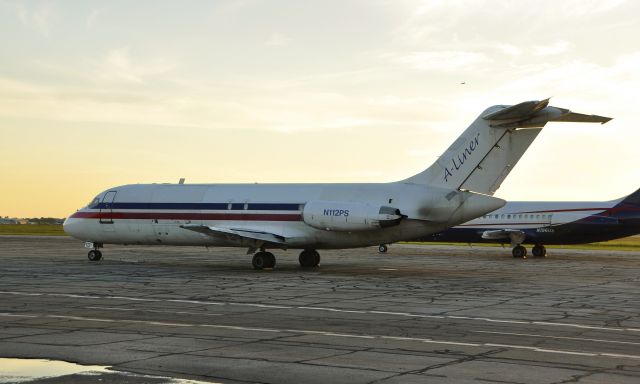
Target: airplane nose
71,227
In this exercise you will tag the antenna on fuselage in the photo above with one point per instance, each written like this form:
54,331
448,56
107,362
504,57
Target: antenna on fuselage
181,181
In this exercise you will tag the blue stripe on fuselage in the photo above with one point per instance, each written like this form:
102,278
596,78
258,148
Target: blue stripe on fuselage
201,206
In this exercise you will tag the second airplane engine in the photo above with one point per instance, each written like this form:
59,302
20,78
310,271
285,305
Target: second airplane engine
349,216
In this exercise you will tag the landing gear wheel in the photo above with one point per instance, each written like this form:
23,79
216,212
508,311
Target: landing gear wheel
309,258
262,260
272,260
94,255
382,248
539,251
519,252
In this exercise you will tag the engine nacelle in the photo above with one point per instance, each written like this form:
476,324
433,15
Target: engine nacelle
349,216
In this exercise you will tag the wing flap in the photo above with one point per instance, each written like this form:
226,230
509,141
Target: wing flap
516,236
237,234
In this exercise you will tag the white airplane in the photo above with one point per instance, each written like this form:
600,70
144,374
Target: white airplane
455,189
549,222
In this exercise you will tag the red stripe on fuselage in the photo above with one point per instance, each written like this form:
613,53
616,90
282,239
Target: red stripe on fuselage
187,216
562,210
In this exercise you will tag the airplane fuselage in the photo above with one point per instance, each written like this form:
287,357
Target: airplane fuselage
551,223
161,213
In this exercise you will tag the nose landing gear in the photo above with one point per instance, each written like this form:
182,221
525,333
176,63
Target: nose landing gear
94,254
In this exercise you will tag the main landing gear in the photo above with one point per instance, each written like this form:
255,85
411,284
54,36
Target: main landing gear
539,250
520,252
382,248
263,259
309,258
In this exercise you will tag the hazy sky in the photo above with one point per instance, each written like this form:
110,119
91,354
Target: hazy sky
97,94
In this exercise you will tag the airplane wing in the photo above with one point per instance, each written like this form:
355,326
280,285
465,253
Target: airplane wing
237,234
516,236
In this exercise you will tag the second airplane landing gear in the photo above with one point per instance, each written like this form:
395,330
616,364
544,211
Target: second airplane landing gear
539,250
309,258
262,260
519,252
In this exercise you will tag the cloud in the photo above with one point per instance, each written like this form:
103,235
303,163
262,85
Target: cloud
40,18
552,49
92,17
277,40
118,64
441,60
510,49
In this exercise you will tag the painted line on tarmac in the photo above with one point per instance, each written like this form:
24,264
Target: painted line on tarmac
154,311
329,334
558,337
326,309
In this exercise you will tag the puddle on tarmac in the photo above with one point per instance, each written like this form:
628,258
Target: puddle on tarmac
28,370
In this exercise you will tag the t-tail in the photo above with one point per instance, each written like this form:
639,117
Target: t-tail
486,152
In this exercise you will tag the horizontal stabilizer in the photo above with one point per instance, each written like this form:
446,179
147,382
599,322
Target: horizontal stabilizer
523,109
237,234
536,114
582,118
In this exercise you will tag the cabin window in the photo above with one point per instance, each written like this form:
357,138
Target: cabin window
508,216
496,216
537,216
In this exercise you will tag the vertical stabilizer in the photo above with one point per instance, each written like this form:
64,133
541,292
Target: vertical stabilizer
486,152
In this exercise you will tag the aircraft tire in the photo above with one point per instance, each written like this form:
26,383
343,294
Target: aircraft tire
519,252
309,258
261,260
539,251
271,260
382,248
94,255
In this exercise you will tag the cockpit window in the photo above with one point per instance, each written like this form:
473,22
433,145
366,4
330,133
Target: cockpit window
93,202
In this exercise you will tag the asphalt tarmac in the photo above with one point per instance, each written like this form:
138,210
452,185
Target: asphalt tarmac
417,314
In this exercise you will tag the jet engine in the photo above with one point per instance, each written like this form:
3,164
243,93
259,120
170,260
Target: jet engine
349,216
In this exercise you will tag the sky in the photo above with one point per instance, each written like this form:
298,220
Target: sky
95,94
